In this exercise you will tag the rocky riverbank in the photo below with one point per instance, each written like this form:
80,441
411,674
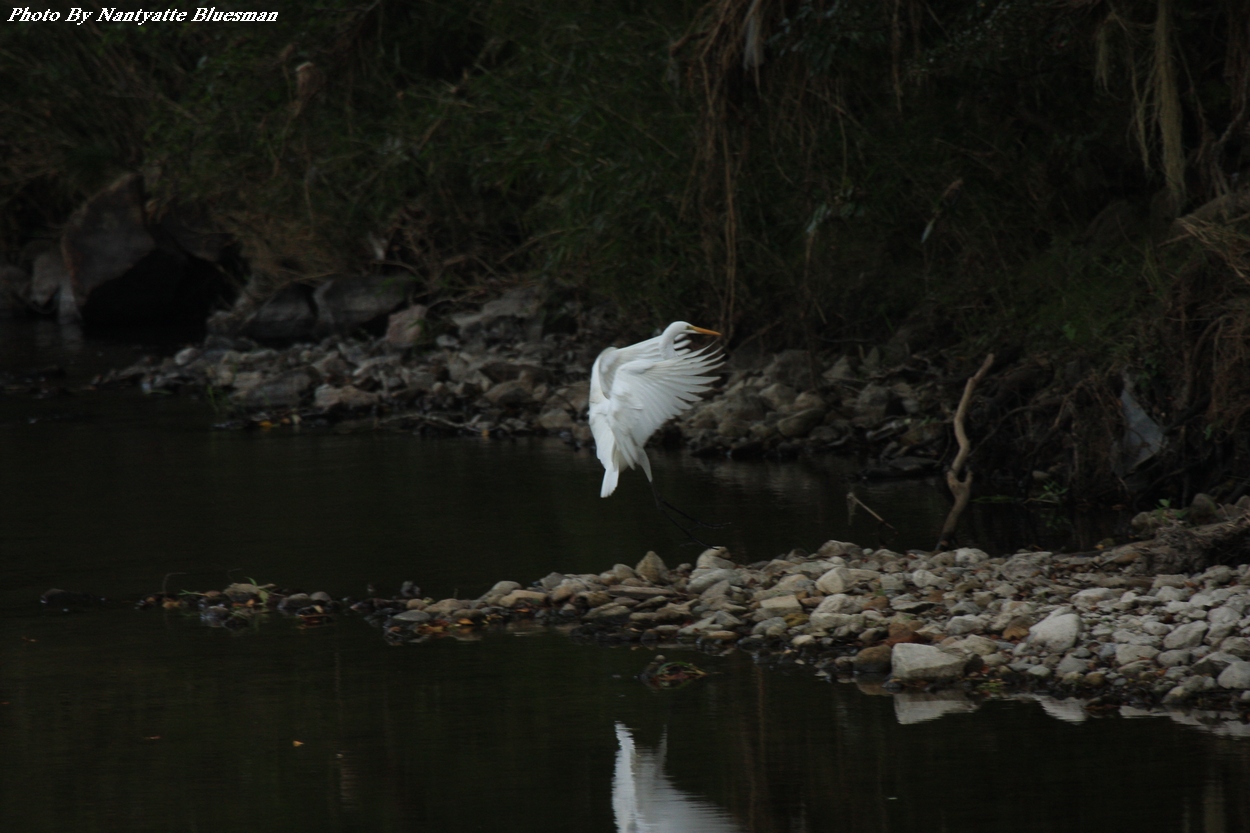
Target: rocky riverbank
1104,629
495,371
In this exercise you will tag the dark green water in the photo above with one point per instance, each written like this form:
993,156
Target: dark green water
118,719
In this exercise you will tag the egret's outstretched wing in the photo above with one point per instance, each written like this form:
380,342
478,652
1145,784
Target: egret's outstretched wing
644,393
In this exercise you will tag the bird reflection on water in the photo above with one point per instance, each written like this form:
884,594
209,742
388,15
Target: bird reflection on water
645,800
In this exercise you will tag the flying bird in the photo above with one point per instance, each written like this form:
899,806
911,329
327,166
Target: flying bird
636,389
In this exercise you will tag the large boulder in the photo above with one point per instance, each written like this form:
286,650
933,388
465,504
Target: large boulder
123,270
516,315
288,315
346,304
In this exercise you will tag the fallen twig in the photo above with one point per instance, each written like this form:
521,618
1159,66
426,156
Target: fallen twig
852,500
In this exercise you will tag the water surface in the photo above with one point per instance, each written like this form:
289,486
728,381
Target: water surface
117,719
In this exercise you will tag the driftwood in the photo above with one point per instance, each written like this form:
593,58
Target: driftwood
1188,549
961,487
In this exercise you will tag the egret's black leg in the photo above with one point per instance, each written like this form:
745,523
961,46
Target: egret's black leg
694,539
663,504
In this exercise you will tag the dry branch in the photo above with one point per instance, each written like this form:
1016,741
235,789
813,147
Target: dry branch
961,488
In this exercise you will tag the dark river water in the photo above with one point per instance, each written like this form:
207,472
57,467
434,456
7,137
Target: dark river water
112,718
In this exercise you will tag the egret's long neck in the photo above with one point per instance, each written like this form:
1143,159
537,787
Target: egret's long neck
668,341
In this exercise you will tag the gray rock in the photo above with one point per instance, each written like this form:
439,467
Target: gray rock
1025,566
416,617
781,606
875,659
1169,593
979,645
839,549
778,396
908,603
283,390
514,314
771,628
1127,653
652,568
925,578
873,402
345,304
1168,580
1213,664
510,394
404,328
1172,659
800,424
1057,633
913,661
970,556
516,597
1186,636
609,612
498,591
713,558
48,277
328,397
839,371
701,580
1237,646
1236,675
1070,664
791,367
288,314
119,272
959,625
843,579
1088,598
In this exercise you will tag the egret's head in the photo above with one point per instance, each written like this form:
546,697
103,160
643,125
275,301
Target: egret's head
684,327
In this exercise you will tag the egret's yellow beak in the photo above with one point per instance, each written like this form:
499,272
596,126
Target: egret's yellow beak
704,331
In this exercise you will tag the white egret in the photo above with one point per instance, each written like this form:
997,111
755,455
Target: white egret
636,389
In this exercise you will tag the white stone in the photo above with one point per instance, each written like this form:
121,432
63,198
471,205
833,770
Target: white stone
913,661
1057,633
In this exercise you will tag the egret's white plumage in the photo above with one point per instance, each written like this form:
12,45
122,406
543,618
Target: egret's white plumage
636,389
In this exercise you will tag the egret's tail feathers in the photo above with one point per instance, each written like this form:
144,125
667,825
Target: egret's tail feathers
609,481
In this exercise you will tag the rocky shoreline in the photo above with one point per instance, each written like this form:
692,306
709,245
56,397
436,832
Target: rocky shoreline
1097,631
494,372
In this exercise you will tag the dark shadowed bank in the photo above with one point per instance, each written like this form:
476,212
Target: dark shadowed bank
893,190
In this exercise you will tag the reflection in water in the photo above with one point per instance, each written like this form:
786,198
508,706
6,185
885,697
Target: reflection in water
645,800
918,706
